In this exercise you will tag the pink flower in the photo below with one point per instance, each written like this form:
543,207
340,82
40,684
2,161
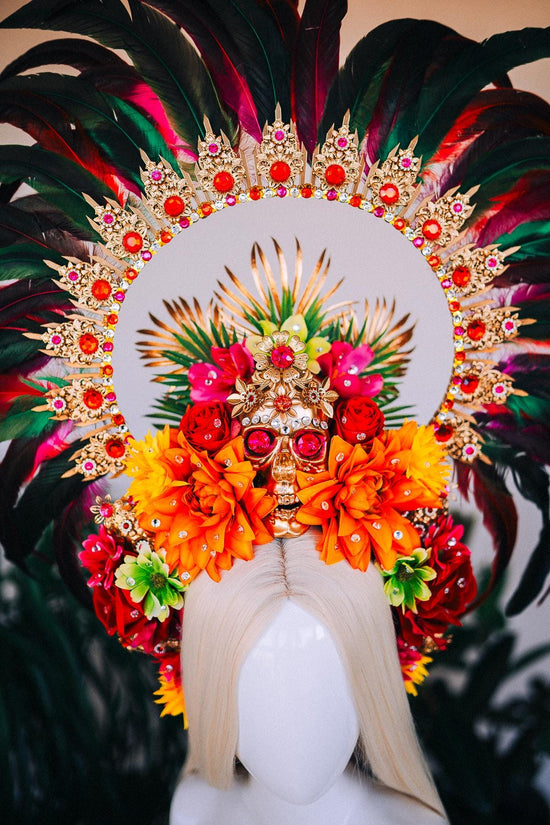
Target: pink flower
101,556
344,364
215,382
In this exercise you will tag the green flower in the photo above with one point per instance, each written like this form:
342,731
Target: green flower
147,576
406,581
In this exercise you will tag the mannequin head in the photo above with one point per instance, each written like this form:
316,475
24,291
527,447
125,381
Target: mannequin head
223,621
293,687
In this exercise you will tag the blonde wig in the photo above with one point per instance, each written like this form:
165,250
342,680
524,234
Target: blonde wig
223,621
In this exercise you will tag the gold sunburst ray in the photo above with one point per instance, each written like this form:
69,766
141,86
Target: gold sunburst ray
268,272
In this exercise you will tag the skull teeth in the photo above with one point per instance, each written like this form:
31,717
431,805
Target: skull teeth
289,499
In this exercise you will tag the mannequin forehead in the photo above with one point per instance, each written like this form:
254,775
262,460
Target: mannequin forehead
297,720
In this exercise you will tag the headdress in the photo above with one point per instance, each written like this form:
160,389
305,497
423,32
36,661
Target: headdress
271,391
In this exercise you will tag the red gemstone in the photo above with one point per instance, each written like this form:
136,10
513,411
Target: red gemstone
443,433
434,261
131,273
174,206
280,171
107,370
389,193
166,237
282,403
112,318
282,357
92,399
454,306
308,444
101,289
115,448
206,209
448,404
400,224
260,442
431,229
355,200
476,330
255,193
118,419
335,174
106,510
132,242
307,191
460,357
469,383
224,181
461,276
88,343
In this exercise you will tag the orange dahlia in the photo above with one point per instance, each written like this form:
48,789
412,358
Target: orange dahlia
208,512
360,500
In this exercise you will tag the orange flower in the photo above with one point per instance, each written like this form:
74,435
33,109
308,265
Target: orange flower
360,499
208,512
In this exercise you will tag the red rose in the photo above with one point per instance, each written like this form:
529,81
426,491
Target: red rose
207,425
358,420
452,590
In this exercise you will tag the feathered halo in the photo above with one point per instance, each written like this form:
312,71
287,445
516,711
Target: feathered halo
458,168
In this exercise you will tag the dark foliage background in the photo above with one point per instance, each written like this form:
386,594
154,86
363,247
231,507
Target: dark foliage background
81,740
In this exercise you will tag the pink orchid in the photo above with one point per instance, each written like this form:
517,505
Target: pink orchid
215,382
344,364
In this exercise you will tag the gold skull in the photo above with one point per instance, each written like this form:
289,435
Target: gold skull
277,451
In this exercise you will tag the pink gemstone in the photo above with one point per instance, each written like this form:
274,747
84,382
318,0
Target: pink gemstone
231,200
56,339
447,283
184,223
509,325
281,191
456,379
107,346
405,163
469,449
156,174
491,262
110,397
146,256
119,296
106,510
89,466
342,142
279,135
213,148
498,388
58,404
332,194
459,330
457,207
282,357
418,242
73,275
379,212
260,442
108,218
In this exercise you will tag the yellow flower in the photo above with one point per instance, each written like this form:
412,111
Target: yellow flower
170,695
147,465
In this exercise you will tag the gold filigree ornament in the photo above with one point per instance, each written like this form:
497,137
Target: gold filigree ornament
175,199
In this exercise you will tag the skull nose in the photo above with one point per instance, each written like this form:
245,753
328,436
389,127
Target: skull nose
284,468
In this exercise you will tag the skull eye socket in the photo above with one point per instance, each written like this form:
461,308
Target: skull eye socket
309,444
259,443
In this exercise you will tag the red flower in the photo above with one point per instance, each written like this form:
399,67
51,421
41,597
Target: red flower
343,365
358,420
452,590
214,382
207,426
101,556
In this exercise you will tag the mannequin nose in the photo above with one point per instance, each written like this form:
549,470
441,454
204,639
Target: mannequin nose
284,467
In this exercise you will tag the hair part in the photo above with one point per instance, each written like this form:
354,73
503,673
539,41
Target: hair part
223,621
